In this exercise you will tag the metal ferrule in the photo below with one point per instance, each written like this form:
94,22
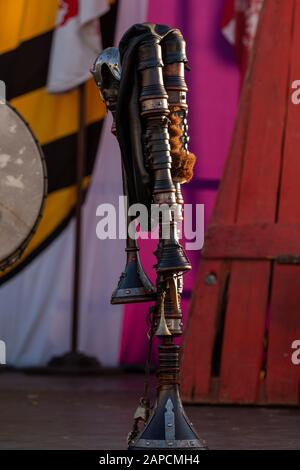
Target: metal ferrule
177,98
174,325
150,106
164,198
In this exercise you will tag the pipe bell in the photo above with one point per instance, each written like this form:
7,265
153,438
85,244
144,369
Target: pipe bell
168,426
134,284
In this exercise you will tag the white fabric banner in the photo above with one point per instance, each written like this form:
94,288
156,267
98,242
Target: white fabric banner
76,42
35,306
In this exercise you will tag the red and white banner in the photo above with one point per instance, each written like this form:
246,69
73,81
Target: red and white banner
239,25
76,43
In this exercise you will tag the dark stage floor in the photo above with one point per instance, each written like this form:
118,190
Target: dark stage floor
40,412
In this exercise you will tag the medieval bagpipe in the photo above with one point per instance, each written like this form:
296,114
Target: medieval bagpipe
143,85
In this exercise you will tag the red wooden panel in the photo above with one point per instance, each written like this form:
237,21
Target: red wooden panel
283,378
248,289
252,241
201,326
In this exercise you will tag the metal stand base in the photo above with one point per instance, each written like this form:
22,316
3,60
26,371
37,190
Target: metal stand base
168,426
71,363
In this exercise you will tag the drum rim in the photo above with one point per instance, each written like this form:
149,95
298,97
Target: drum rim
16,254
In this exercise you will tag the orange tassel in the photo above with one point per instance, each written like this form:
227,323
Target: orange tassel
182,161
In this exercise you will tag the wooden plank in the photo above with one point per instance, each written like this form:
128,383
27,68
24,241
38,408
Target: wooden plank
283,377
252,241
243,333
248,289
199,341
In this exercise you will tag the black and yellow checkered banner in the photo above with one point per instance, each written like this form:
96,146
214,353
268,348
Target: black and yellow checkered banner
26,31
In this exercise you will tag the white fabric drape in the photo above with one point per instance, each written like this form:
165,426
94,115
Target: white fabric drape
35,305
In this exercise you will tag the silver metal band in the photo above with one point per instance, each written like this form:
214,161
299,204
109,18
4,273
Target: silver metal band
154,103
165,444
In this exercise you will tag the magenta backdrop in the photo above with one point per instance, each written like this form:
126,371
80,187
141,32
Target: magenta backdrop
213,96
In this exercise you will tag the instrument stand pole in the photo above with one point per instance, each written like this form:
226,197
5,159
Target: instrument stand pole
76,362
167,427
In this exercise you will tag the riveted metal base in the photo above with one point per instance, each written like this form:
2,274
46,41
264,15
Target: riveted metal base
132,295
168,426
134,284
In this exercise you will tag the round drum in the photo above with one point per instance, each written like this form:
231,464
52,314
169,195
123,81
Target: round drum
23,185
